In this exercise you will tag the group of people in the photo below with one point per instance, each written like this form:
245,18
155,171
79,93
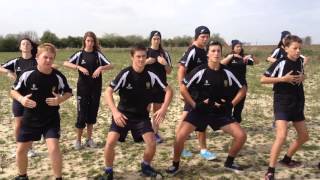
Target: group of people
213,90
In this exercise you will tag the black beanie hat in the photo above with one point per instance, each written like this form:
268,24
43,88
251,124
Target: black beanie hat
234,43
154,33
284,34
201,30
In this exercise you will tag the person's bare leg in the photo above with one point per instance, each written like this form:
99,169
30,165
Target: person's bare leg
181,136
239,137
22,158
150,147
89,131
155,126
55,156
281,135
303,136
109,154
17,126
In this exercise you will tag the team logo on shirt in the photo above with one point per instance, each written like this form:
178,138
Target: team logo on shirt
225,82
148,85
129,86
83,61
206,83
34,87
199,60
18,68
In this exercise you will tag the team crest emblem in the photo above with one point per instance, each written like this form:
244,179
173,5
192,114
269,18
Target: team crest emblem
129,86
34,87
18,69
225,82
148,85
199,60
206,83
83,61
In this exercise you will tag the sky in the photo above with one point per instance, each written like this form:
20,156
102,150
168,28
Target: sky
255,21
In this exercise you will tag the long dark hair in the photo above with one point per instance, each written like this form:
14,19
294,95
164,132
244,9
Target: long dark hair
96,46
33,45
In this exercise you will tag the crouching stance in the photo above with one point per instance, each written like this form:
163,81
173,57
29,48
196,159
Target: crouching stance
207,90
135,85
40,90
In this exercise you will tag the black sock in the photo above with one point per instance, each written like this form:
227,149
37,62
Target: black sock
271,170
23,175
59,178
286,159
229,161
175,164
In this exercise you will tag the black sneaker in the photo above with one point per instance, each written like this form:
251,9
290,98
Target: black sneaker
173,170
269,176
21,178
106,176
234,168
148,171
291,164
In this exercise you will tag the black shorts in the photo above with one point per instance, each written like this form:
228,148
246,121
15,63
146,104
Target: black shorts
34,134
201,121
137,126
158,97
17,108
288,107
87,108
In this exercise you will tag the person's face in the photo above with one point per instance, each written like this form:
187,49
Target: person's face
45,60
139,59
237,48
202,39
293,51
25,46
89,42
155,41
214,53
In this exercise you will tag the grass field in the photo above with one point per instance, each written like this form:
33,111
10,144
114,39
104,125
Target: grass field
257,121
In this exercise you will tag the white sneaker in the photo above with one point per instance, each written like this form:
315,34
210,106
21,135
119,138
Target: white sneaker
32,153
90,143
77,145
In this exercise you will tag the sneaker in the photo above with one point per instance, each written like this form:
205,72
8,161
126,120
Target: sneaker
186,153
291,164
90,143
208,155
269,176
158,138
77,145
32,153
21,178
234,168
106,176
173,170
148,171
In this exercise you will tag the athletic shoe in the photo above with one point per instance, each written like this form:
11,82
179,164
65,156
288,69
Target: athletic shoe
186,153
32,153
148,171
21,178
208,155
173,170
234,168
158,138
77,145
106,176
90,143
269,176
291,164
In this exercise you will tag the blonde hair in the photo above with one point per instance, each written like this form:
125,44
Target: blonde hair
46,47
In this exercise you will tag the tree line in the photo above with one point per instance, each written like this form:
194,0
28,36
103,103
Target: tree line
9,42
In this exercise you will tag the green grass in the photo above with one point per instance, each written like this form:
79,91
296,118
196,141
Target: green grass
257,120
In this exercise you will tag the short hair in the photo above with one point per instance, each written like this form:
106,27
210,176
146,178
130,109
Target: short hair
213,43
138,47
47,47
290,39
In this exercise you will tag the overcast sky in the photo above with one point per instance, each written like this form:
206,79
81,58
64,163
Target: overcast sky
255,21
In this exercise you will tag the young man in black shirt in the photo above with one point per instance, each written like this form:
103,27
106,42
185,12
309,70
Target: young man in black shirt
287,76
135,85
207,90
40,90
193,57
